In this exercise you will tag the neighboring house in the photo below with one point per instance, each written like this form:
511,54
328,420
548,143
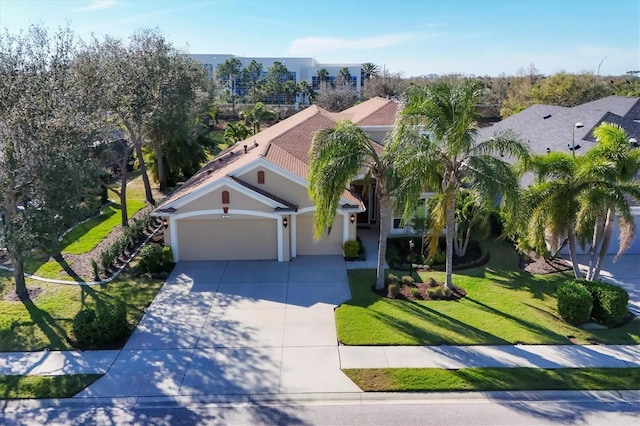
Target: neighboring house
550,128
300,69
252,202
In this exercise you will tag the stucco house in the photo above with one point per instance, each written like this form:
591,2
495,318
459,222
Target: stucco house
549,128
252,202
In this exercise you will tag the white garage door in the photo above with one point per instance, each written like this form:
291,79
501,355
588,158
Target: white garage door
227,239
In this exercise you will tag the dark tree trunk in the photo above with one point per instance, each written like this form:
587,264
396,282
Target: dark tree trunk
162,175
145,178
123,193
17,262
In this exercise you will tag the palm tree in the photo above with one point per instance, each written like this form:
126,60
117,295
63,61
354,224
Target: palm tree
610,168
256,116
323,75
344,76
337,155
235,132
434,147
370,69
577,198
550,206
228,71
306,91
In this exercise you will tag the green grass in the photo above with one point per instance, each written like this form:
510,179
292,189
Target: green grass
504,305
46,322
86,236
492,379
17,387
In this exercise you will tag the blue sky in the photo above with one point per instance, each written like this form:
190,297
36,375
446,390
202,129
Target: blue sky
414,37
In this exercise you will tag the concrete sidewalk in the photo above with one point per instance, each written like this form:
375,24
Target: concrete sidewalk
447,357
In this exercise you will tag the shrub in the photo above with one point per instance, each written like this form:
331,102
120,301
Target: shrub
394,291
574,302
155,258
415,292
95,268
392,279
440,257
407,280
351,249
431,282
439,292
609,302
98,327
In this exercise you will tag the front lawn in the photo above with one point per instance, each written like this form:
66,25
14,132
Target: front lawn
18,387
86,236
504,305
493,379
46,321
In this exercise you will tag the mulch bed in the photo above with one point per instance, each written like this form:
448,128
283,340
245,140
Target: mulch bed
538,265
406,293
33,293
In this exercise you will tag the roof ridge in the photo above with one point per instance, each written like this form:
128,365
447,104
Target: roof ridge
263,192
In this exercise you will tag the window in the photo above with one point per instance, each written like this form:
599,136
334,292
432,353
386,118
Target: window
225,197
260,177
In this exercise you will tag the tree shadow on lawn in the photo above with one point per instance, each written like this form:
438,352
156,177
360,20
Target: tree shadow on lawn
443,321
47,324
547,334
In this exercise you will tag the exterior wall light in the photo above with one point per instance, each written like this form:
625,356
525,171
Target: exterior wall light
352,218
285,222
165,222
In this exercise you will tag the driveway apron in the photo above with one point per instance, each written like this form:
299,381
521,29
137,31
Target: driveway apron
236,327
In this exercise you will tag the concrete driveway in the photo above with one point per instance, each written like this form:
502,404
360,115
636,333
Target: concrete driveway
236,327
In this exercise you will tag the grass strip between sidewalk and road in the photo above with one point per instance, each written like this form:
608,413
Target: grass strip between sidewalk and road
493,379
41,387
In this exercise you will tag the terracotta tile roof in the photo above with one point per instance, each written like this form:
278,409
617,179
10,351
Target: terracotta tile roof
374,112
286,145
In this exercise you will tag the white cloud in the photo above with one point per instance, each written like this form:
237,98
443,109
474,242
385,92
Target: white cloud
313,45
97,5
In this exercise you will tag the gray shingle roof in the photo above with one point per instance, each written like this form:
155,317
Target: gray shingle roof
556,130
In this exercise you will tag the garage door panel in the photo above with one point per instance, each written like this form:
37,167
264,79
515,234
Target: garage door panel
331,244
227,239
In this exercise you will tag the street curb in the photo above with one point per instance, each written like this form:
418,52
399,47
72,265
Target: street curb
355,398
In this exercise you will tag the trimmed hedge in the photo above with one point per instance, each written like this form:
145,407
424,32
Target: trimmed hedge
100,326
574,302
609,302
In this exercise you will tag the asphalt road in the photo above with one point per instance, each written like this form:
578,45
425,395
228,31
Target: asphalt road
465,411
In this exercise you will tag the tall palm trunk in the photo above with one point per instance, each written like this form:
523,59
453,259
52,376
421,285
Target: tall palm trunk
385,219
598,230
450,234
604,246
572,253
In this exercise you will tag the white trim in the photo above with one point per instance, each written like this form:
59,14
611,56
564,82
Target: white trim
230,212
222,182
307,210
294,235
174,238
345,227
279,232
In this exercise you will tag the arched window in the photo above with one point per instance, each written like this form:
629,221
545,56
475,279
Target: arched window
225,197
260,176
